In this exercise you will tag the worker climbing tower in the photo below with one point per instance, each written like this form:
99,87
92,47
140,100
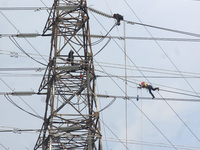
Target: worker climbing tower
71,119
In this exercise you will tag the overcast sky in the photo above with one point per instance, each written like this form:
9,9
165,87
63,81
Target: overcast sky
151,125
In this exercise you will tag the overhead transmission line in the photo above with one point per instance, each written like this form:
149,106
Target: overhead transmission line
149,38
148,98
24,8
174,66
118,66
31,35
17,130
121,66
99,76
127,21
129,81
174,30
139,109
170,73
166,29
119,77
122,78
104,38
20,75
163,99
23,37
16,54
181,32
21,49
37,69
142,24
113,134
12,102
151,35
4,147
109,16
162,77
152,144
192,34
180,73
114,97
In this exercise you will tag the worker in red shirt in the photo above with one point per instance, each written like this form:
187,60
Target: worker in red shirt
149,87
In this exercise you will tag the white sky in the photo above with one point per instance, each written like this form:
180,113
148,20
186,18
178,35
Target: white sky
180,15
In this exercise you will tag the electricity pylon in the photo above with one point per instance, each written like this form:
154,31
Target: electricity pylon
71,119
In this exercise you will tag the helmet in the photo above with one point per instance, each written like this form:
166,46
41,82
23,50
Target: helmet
142,83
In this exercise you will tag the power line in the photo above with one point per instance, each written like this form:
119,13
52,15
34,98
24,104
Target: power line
113,65
142,111
23,37
119,97
146,25
113,133
152,70
146,76
102,38
20,75
149,38
24,8
106,15
17,130
31,35
153,144
11,101
162,77
21,49
16,54
149,98
38,69
163,99
110,75
173,65
161,28
117,66
4,147
160,45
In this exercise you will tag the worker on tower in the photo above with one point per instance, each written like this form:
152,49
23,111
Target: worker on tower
71,57
149,87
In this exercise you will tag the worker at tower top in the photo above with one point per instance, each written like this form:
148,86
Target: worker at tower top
149,87
118,17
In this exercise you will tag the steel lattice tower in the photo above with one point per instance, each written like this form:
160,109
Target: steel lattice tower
71,119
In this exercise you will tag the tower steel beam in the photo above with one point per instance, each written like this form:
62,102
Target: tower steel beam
71,119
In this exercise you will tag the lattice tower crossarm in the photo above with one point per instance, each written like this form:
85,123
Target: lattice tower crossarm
71,119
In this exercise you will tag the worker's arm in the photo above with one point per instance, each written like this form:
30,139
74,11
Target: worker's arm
139,86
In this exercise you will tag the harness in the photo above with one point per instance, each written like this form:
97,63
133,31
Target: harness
146,85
